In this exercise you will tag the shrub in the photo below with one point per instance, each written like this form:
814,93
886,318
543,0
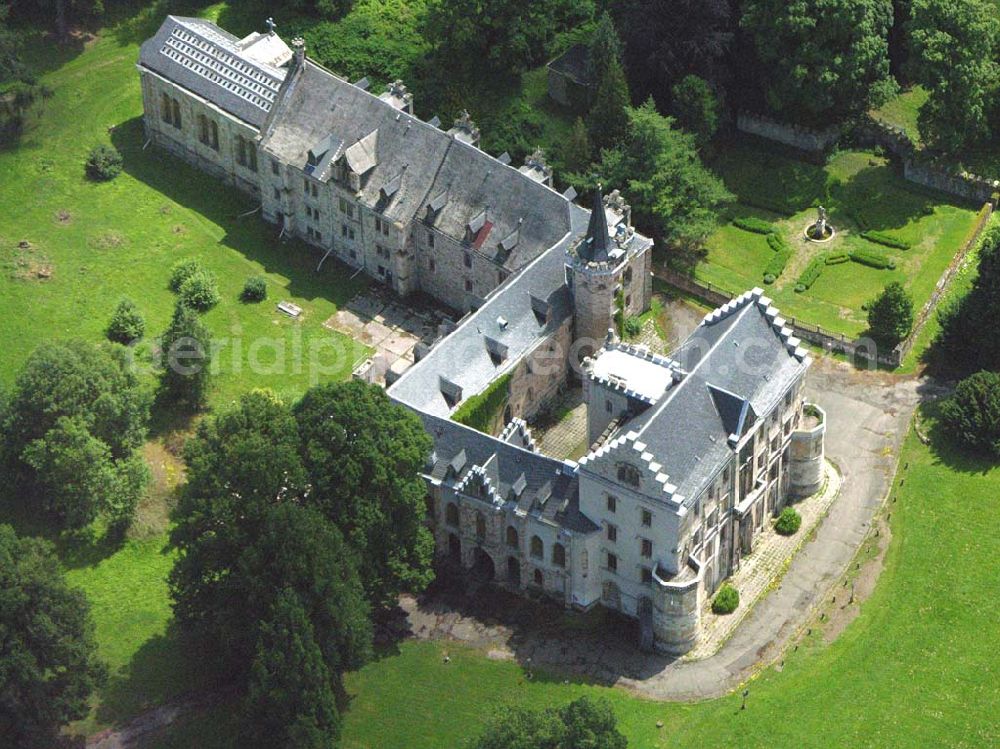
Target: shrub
104,163
754,224
769,278
873,259
836,258
782,252
254,290
811,273
126,323
182,271
726,600
972,414
885,239
633,327
788,521
480,410
200,291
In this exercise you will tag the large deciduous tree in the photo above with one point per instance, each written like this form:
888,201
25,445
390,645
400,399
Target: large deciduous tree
955,53
48,657
582,724
363,455
825,60
75,420
185,358
658,168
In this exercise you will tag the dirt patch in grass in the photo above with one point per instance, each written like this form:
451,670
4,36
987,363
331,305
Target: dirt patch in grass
108,240
63,217
167,474
859,583
27,263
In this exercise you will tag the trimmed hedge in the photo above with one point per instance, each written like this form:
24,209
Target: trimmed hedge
753,224
811,273
782,253
479,411
836,258
254,290
888,240
873,259
788,521
726,600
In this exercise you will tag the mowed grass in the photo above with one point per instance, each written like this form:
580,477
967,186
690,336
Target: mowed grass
903,111
99,242
916,668
859,190
102,241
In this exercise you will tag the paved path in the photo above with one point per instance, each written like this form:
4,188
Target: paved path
868,415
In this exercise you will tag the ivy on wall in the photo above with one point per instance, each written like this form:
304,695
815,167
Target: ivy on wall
480,410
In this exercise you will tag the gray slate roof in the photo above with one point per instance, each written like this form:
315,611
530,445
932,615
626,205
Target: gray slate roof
738,363
421,165
574,62
208,61
541,486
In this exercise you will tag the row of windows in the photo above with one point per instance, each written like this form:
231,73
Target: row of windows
314,234
536,545
645,545
170,110
645,574
646,515
208,132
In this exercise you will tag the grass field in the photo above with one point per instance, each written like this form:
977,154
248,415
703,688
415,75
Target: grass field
858,189
902,111
916,668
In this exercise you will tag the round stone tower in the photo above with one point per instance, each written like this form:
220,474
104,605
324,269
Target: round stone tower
594,280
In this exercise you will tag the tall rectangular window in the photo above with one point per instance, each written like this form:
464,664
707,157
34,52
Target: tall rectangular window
646,547
274,166
612,503
175,107
165,111
612,562
647,518
612,533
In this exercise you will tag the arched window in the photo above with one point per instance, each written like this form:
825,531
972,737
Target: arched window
165,111
215,134
451,514
176,109
203,129
559,555
429,506
480,526
537,547
539,580
511,536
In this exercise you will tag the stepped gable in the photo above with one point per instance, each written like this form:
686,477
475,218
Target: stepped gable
736,364
229,72
538,485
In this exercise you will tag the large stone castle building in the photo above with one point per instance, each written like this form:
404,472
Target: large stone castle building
690,454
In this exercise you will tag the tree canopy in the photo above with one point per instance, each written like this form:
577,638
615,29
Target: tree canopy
972,414
363,455
582,724
186,357
955,48
49,662
824,59
890,315
696,107
75,420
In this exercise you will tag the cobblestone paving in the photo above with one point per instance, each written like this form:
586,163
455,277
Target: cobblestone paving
567,438
761,569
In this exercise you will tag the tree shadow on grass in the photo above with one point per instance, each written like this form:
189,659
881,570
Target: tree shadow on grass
223,205
877,198
166,668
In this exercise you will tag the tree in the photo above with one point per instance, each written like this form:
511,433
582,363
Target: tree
49,666
967,341
696,107
239,463
825,59
59,11
972,415
186,356
73,426
127,324
666,40
577,152
890,315
289,701
672,194
364,455
605,49
607,121
955,49
582,724
506,36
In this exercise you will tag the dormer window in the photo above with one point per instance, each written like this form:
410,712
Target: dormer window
628,474
498,351
451,391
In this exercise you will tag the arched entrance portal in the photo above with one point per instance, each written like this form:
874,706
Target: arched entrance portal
483,567
513,571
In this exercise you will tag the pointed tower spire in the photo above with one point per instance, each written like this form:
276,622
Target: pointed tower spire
596,245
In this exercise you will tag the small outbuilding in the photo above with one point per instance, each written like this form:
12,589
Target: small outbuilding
569,78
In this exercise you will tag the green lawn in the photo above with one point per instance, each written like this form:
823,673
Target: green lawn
858,189
916,668
903,110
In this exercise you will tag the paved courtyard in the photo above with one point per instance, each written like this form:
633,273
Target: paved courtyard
868,414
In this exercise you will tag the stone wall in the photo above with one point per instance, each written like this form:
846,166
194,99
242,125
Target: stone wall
804,139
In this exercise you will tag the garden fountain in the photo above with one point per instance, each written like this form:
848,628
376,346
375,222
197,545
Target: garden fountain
820,230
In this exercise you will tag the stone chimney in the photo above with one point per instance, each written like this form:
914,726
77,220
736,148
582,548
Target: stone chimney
465,129
536,167
398,96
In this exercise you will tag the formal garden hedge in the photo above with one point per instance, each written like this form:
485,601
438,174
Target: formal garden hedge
811,273
782,253
754,224
479,411
873,259
887,240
